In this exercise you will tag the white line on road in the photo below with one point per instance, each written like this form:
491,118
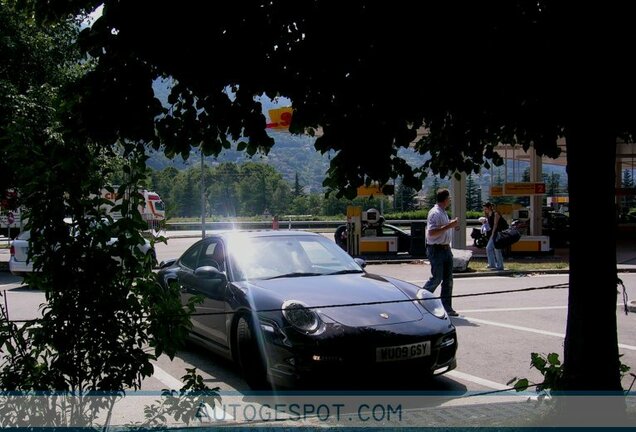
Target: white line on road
531,330
476,380
166,378
531,308
11,286
175,384
512,309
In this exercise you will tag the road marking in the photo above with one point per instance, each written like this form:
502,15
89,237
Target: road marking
481,381
531,308
11,286
531,330
166,378
512,309
175,384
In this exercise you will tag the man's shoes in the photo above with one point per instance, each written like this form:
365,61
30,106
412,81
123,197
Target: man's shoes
452,313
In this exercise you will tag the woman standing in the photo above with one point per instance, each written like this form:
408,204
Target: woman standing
497,223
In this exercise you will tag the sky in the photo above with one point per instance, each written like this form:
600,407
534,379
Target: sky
92,17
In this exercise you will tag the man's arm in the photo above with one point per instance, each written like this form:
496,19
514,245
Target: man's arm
452,224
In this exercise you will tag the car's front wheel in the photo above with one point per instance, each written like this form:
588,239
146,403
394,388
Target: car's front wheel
249,355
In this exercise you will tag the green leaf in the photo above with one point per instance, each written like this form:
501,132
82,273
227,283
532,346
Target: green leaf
538,362
553,359
521,385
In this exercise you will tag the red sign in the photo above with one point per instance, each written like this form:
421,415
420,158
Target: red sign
518,189
281,118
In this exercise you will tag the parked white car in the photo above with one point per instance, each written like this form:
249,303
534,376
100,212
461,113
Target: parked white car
19,264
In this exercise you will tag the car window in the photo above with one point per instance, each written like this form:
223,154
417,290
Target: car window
389,231
319,255
267,257
190,258
213,256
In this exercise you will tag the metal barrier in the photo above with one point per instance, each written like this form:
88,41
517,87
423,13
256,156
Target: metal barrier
294,225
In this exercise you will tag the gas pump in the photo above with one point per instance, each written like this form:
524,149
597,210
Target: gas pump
373,240
354,229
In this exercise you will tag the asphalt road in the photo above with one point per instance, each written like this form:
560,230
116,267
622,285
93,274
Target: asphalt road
496,334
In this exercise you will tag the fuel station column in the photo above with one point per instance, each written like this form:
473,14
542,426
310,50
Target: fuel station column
354,229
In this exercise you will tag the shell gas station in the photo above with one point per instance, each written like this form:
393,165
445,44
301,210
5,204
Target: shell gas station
532,241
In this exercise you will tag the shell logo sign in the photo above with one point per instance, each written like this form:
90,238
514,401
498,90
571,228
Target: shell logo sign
375,190
518,189
280,118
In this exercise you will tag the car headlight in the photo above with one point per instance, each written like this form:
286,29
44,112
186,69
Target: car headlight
433,305
299,316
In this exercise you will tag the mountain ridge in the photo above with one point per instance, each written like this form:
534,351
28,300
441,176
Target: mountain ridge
293,154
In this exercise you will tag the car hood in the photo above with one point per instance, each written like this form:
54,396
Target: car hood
339,290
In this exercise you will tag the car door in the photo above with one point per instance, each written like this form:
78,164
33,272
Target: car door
404,241
209,323
185,274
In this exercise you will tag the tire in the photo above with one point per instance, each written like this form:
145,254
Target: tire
338,237
249,356
481,242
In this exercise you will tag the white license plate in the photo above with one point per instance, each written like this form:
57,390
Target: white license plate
403,352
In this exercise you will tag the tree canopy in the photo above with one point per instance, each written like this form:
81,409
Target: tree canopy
370,75
366,73
103,320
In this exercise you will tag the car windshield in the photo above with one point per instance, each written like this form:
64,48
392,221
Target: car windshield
288,256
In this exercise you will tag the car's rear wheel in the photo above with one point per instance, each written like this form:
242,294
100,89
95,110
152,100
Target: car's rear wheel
249,355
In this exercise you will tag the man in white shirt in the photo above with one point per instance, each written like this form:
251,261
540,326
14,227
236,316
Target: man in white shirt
438,239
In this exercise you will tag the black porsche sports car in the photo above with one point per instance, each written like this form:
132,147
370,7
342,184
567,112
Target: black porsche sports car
289,305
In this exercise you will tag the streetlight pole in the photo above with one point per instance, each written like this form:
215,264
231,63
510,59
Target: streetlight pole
202,195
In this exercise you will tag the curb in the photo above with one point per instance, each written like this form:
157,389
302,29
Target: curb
532,272
510,273
526,414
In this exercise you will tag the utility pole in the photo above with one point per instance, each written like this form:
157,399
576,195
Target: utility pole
202,195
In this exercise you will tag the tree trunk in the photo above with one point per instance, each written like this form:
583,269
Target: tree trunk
591,341
591,362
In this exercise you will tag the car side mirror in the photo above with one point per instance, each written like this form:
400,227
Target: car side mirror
209,272
362,263
167,263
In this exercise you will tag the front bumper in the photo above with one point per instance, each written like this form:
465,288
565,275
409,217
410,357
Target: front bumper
342,353
19,268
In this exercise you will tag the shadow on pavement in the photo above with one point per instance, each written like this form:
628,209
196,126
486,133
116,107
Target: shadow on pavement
461,321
